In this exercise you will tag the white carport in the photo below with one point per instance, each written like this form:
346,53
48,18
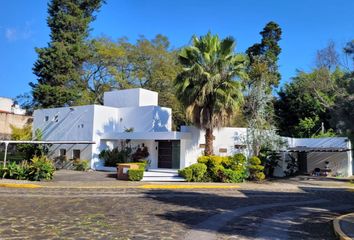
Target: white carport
7,142
315,152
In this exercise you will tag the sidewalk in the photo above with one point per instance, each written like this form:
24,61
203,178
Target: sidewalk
344,226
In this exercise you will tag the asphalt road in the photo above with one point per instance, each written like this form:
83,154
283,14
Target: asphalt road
94,206
304,211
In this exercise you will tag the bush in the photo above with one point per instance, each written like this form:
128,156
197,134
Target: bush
135,174
14,171
194,173
225,169
113,157
214,164
237,162
256,169
81,165
140,153
40,168
231,176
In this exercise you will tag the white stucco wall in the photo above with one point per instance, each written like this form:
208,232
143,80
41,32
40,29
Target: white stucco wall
224,138
135,97
141,119
67,123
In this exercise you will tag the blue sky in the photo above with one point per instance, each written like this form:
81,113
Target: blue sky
307,26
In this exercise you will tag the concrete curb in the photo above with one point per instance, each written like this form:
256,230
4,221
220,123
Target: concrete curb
337,228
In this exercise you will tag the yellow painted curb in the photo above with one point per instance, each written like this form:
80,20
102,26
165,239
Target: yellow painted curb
337,228
19,185
91,187
182,186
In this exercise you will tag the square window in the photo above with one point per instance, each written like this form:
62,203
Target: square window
46,118
62,152
76,154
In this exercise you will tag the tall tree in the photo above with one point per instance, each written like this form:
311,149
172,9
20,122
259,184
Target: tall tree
120,64
267,51
263,77
208,85
59,65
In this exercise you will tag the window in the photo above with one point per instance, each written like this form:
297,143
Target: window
62,152
80,125
76,154
46,118
240,146
56,118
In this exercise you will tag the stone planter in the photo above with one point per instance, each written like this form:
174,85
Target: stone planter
122,170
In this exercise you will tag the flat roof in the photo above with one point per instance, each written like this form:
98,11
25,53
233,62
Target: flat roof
46,142
316,149
173,135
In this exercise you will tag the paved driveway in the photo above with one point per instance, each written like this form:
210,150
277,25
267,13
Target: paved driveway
280,210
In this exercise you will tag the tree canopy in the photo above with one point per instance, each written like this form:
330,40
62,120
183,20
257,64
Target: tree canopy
209,85
59,65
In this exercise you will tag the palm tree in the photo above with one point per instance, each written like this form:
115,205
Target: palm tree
208,85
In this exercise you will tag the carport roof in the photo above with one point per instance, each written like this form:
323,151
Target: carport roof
316,149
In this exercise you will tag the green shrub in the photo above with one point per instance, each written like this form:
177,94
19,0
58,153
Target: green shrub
218,169
135,174
194,173
231,176
14,171
256,169
40,168
113,157
81,165
237,162
214,165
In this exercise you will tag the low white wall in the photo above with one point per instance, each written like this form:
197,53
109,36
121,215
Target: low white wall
225,138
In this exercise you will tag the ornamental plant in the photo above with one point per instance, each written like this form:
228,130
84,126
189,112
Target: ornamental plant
256,169
217,169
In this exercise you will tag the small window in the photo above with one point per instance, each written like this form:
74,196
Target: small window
240,146
76,154
222,150
56,118
80,125
62,152
46,118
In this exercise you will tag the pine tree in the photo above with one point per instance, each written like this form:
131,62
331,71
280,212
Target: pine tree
263,76
59,65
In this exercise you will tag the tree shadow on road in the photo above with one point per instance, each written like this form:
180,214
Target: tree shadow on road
194,208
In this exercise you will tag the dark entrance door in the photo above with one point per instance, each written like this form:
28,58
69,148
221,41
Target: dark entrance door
168,154
302,160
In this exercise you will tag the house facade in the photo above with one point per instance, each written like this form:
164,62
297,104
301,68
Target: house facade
134,115
11,115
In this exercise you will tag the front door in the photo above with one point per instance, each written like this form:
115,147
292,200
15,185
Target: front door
168,154
302,161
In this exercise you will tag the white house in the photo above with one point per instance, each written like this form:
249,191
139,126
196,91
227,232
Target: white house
137,109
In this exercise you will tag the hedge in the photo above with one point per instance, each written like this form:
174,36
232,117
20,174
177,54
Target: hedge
135,174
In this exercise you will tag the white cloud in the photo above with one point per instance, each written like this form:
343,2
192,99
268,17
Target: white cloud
22,33
11,34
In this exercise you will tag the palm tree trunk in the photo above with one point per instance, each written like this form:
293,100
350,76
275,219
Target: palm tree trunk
208,142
